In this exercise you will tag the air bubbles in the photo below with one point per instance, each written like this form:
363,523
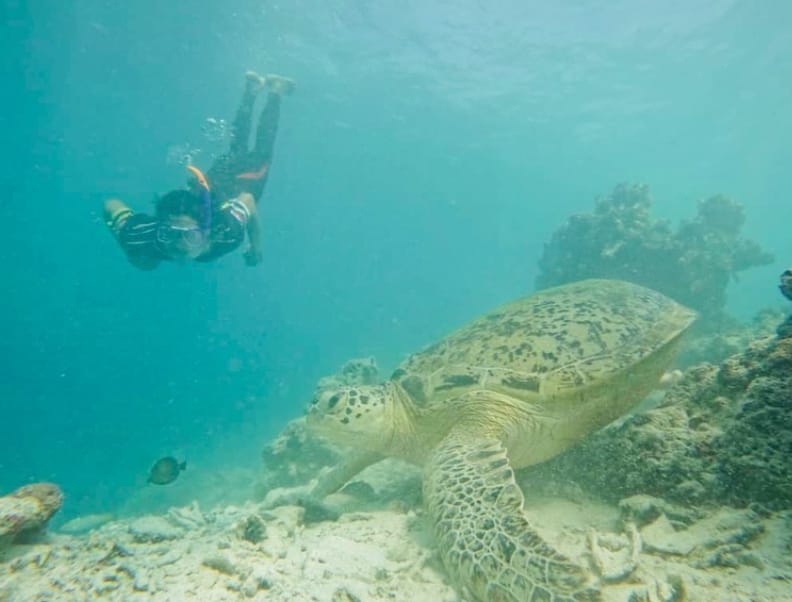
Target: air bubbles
215,138
182,154
215,131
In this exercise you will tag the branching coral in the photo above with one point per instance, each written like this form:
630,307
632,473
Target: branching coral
621,239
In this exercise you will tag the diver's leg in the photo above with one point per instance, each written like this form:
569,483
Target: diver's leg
267,128
270,115
244,115
257,162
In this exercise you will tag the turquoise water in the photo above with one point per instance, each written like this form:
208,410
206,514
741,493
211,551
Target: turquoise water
430,150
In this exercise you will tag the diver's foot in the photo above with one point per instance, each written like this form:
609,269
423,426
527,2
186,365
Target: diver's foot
280,85
254,81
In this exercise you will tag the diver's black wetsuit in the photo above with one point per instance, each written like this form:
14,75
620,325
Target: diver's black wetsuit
239,170
242,170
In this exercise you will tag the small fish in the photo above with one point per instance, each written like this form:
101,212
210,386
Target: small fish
165,470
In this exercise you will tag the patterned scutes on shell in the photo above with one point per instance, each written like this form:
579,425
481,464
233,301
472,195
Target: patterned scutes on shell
555,341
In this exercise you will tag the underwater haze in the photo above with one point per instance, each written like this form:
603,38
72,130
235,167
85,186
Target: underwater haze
428,153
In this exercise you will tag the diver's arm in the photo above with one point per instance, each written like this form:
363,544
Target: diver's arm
116,214
253,253
142,253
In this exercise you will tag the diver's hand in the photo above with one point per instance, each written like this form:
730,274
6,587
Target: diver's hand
252,256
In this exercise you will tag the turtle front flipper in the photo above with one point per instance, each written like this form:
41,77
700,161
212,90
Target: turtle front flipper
484,538
336,477
327,482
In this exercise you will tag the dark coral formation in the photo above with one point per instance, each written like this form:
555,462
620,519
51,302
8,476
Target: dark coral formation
253,529
785,329
786,284
723,435
621,239
715,347
25,512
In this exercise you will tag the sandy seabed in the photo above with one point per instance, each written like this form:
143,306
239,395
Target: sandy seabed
247,552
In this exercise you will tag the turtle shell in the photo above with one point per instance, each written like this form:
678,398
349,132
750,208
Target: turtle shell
548,345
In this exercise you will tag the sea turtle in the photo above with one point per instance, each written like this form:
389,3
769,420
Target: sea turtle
512,388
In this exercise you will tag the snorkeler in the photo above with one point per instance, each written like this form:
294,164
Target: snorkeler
209,219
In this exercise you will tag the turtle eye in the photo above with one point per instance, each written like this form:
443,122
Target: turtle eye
333,401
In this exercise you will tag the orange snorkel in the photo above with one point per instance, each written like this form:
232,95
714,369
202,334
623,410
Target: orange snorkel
206,195
199,176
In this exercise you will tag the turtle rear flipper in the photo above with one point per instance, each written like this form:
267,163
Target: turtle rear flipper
484,538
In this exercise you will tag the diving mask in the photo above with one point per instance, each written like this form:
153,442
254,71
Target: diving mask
182,241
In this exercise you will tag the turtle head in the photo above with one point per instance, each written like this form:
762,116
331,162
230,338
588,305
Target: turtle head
364,416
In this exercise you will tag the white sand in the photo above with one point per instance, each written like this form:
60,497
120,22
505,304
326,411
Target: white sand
727,555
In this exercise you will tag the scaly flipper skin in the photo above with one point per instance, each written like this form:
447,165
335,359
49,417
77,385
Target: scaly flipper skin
483,536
